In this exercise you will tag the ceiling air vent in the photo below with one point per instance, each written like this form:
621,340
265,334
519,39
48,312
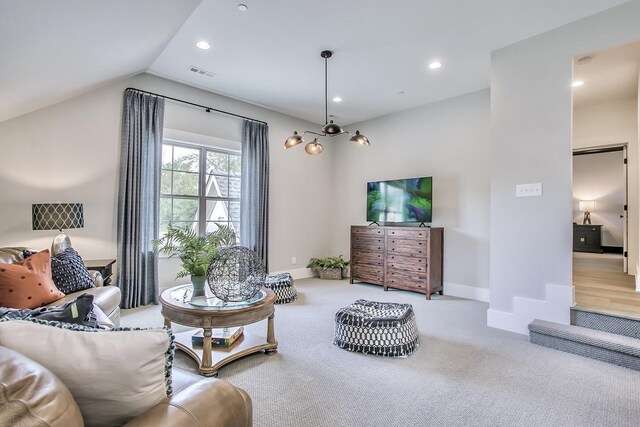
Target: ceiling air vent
200,71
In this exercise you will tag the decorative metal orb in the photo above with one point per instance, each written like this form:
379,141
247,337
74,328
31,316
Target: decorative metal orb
236,274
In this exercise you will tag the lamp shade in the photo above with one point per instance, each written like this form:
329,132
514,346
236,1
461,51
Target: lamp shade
293,140
587,205
57,216
332,129
360,139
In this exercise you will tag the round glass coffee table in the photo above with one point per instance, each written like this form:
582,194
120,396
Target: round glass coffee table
180,305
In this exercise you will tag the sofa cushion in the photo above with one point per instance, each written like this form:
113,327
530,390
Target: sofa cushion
79,311
27,283
69,273
30,395
114,376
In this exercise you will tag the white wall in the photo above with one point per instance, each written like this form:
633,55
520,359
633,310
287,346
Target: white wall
531,113
600,177
448,140
69,152
611,123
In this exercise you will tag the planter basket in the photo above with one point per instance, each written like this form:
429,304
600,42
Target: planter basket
331,274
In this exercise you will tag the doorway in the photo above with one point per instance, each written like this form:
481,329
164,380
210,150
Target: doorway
605,173
600,205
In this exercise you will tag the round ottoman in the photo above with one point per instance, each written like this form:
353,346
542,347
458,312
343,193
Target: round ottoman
282,286
380,328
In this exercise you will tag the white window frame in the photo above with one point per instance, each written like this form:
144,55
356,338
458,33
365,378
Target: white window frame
202,179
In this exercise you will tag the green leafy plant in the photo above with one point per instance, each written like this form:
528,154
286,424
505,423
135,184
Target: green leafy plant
327,263
194,251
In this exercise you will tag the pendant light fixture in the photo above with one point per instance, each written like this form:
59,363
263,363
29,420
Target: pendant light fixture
329,129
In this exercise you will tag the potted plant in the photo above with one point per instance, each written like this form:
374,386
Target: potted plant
194,251
329,268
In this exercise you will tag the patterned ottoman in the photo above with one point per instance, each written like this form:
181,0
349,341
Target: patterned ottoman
282,286
380,328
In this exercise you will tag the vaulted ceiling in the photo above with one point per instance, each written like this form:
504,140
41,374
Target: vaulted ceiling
269,54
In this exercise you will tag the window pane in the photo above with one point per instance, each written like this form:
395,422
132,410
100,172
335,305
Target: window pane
217,163
212,226
193,225
217,186
234,188
185,210
167,158
217,211
165,209
165,182
185,183
186,159
234,211
234,165
164,225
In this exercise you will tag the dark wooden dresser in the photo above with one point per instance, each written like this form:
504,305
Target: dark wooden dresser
587,238
408,258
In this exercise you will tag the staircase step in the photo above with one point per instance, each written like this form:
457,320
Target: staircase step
607,347
614,323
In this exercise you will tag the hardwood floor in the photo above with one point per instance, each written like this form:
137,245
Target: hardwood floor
598,286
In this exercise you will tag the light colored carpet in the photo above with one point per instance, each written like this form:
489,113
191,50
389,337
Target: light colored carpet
464,373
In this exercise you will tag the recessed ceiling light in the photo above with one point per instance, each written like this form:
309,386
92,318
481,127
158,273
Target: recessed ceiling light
435,65
203,45
577,83
243,7
337,99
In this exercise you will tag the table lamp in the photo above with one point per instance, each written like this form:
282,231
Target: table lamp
57,216
587,206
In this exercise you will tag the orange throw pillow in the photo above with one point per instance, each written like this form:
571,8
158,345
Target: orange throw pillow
28,283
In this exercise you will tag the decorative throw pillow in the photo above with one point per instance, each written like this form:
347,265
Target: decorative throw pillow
28,284
78,311
69,273
30,395
114,376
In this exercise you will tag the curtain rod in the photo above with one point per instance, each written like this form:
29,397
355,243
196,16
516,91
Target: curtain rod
207,109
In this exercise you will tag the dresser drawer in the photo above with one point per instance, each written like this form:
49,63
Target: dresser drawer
368,274
408,233
405,283
367,231
417,265
368,244
407,275
403,241
408,251
366,257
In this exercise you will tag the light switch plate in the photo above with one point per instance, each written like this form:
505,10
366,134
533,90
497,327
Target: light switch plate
529,190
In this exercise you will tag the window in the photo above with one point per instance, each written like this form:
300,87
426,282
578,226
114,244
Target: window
200,187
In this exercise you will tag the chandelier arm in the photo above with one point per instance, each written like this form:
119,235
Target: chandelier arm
326,94
314,133
338,134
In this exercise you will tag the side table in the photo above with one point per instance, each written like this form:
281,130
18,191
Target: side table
103,266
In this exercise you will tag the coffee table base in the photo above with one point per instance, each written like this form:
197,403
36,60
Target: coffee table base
245,345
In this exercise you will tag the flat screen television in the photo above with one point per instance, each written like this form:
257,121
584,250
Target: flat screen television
400,200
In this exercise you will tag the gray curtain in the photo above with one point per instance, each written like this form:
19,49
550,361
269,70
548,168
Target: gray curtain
254,194
138,200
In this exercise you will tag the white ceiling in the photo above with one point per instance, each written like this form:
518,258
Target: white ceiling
269,55
611,74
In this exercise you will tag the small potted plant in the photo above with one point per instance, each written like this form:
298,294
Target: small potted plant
329,268
194,251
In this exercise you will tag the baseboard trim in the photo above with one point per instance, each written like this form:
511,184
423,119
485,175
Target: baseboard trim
554,308
299,273
466,291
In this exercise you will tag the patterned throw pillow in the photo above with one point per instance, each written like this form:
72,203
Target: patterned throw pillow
78,311
69,273
28,284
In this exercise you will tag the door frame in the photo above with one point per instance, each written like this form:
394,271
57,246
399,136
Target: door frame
625,213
